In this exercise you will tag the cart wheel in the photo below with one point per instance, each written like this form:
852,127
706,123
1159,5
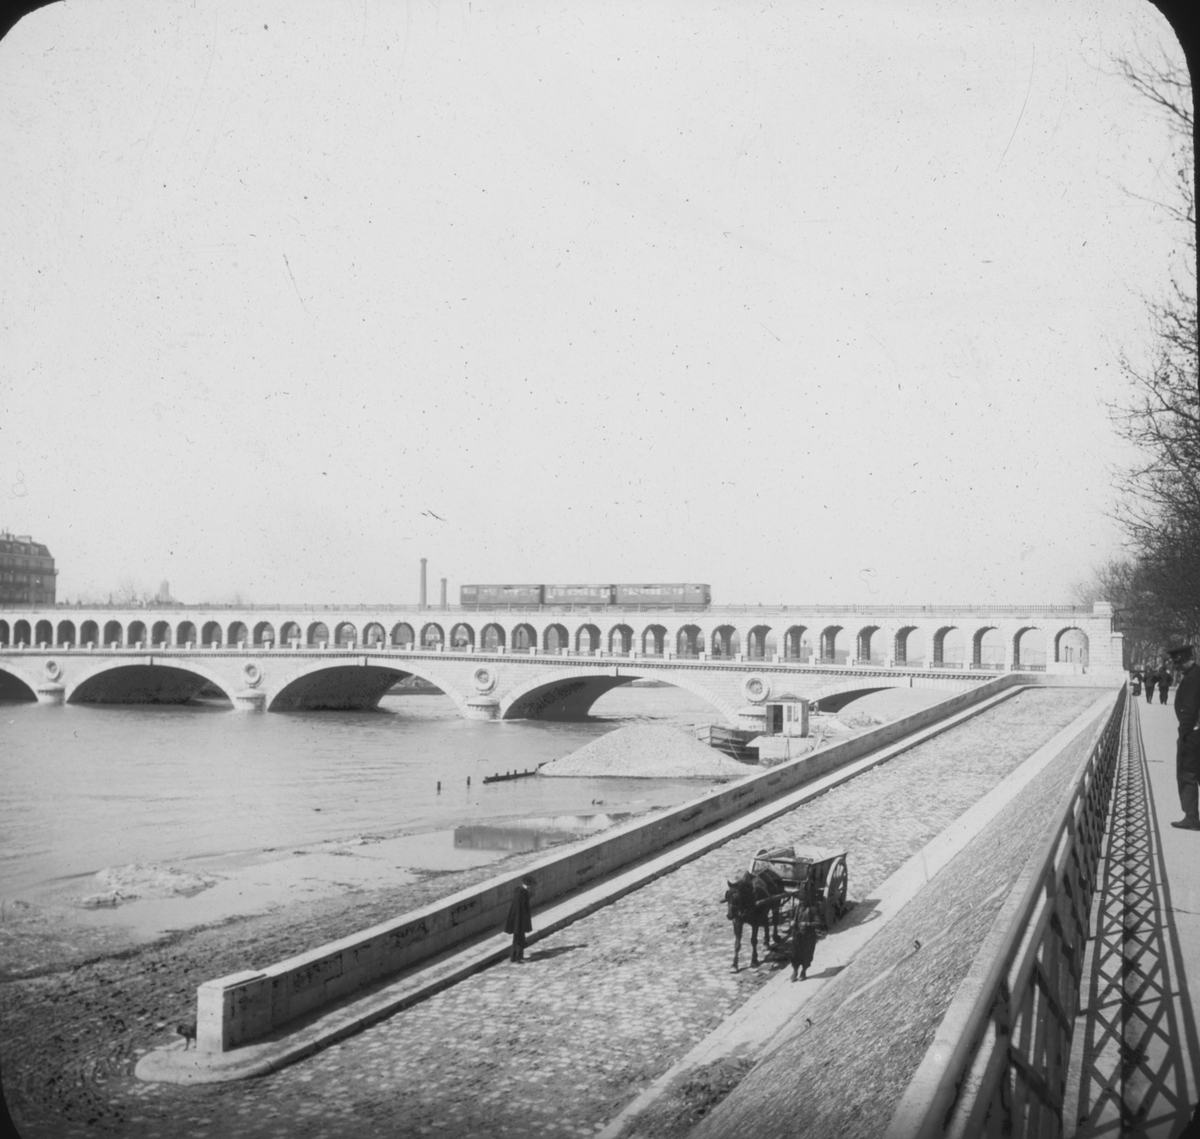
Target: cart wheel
835,892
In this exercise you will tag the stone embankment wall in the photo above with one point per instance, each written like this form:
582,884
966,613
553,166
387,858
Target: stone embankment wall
250,1005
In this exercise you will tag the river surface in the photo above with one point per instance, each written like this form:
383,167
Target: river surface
86,789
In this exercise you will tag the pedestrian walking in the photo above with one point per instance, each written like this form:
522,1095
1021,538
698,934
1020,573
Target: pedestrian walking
1136,680
804,939
519,922
1187,747
1164,681
1151,680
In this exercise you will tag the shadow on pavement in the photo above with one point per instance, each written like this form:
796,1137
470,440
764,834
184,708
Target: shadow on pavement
1140,1037
557,951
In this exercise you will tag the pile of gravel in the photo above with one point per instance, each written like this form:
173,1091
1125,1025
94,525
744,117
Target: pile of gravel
648,751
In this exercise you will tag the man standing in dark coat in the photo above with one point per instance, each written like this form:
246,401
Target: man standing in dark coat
804,939
1187,750
1164,680
1150,679
519,922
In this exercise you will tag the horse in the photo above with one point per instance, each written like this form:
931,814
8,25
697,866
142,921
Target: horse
754,899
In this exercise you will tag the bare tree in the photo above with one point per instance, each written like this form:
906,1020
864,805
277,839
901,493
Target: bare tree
1159,504
1135,592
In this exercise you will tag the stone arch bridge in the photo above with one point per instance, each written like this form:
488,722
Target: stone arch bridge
551,663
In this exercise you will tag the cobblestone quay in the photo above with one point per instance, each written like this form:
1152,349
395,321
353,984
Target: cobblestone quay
556,1047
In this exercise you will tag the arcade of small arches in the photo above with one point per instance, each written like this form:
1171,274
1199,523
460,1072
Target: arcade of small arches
985,647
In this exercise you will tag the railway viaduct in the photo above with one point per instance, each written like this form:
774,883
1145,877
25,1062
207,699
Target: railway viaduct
550,663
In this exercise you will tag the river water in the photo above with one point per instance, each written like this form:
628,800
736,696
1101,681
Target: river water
88,789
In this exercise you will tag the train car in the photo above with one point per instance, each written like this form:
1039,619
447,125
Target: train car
489,596
579,594
666,595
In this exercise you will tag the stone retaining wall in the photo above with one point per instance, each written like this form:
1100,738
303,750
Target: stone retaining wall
250,1005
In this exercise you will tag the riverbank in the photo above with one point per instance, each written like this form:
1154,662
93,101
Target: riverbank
605,1006
72,1036
120,908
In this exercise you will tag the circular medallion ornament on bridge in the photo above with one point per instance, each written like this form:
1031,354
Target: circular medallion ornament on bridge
52,669
252,673
756,688
485,679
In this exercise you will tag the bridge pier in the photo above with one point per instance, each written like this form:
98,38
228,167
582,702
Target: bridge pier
482,708
49,693
249,701
753,718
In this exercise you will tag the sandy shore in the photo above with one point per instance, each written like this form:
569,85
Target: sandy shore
67,1031
119,908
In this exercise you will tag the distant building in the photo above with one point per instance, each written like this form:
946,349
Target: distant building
27,573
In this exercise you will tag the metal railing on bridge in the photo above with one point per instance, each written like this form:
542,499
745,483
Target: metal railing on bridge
717,610
998,1065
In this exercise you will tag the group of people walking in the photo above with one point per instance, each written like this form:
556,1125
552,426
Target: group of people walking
1152,678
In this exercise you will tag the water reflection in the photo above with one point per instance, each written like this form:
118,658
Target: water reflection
534,834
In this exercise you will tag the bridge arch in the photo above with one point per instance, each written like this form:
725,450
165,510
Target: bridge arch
5,633
432,635
524,638
462,636
689,642
1070,646
66,633
135,683
1024,647
318,633
555,638
374,635
793,642
620,640
135,633
211,634
569,693
838,693
112,633
756,642
22,635
333,685
43,633
345,634
290,631
237,634
654,640
403,634
587,639
900,643
829,642
185,633
264,634
987,644
160,634
939,645
16,682
724,642
492,638
862,646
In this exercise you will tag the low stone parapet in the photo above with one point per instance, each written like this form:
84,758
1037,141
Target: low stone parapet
249,1005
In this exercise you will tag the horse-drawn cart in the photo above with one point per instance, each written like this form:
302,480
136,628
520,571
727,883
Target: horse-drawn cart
811,875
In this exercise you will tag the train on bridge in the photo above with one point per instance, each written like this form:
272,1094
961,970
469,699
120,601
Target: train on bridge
661,595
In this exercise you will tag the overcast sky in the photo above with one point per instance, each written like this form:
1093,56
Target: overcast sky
816,302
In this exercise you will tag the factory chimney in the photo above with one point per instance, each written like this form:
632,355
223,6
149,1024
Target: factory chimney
423,561
443,593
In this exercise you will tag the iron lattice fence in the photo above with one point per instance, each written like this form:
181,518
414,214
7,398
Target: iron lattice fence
1005,1071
